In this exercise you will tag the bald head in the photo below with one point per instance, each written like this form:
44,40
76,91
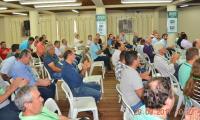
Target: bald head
197,43
148,40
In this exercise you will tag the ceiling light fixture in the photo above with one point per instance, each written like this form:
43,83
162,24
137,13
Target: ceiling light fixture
10,0
145,1
3,8
16,13
182,6
57,5
29,2
76,11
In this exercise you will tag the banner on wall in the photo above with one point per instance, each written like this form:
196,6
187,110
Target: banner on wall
172,22
101,24
125,25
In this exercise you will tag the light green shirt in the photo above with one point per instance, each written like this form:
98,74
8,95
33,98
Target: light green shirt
143,115
44,115
184,73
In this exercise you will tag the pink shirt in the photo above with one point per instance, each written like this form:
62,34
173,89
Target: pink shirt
40,49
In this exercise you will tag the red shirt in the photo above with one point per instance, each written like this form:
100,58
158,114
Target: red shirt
4,53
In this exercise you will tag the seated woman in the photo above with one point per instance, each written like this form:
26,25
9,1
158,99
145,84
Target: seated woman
158,100
8,110
192,87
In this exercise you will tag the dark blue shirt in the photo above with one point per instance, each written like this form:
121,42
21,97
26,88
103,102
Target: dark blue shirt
71,75
48,59
148,49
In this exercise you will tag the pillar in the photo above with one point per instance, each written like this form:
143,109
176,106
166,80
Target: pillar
171,35
34,20
101,11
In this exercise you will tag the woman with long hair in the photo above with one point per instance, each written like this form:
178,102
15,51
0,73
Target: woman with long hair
192,88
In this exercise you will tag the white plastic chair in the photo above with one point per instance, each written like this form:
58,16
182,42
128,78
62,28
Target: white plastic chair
120,97
128,111
49,77
37,63
96,64
94,78
52,105
177,90
195,103
79,104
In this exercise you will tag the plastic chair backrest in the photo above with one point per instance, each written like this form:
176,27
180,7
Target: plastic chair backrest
52,106
47,73
175,83
68,93
118,89
195,103
127,106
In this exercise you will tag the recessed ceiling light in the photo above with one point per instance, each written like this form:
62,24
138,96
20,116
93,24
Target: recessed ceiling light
16,13
10,0
3,8
57,5
76,11
184,6
28,2
145,1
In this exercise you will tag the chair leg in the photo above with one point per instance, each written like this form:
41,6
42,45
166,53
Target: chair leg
95,114
120,98
91,70
57,96
180,101
74,114
102,87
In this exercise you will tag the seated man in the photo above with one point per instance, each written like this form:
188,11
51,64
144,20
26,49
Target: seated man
131,84
29,101
158,101
8,110
75,79
57,49
26,44
6,67
120,66
118,48
22,69
15,49
4,50
185,69
148,49
52,63
96,52
161,63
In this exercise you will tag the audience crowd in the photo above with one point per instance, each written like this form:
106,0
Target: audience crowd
135,63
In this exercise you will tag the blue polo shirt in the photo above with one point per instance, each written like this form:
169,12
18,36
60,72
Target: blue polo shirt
21,70
93,49
48,59
71,75
184,73
24,45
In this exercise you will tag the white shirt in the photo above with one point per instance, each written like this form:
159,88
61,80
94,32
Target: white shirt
163,65
89,42
186,44
129,83
58,51
154,41
77,43
115,56
63,48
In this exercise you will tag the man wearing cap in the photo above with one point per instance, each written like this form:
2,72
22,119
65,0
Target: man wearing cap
162,64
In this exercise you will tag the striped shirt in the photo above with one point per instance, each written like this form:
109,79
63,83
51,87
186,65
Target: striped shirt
196,91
